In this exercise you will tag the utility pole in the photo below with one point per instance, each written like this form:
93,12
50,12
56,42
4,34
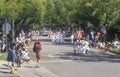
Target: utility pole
6,36
13,33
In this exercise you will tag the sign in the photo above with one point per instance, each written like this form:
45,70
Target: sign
3,20
6,27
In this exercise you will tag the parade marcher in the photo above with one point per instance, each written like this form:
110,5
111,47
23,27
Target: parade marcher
53,37
61,37
84,46
37,48
76,46
72,38
58,37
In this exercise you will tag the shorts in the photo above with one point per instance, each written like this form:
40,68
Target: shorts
38,55
10,63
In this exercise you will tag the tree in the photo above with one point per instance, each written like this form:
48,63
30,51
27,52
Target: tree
35,14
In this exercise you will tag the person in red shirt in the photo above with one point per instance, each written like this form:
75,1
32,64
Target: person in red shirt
37,48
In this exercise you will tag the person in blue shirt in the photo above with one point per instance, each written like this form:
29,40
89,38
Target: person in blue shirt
11,58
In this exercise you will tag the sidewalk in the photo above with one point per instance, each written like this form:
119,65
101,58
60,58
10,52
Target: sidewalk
4,71
26,70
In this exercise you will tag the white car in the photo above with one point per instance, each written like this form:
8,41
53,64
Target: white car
46,33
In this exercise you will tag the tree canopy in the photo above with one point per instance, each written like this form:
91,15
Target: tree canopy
35,14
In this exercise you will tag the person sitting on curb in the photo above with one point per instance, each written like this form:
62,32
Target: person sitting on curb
24,55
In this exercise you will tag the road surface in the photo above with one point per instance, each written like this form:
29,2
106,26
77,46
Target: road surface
60,60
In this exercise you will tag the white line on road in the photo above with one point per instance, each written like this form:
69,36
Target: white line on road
56,61
59,55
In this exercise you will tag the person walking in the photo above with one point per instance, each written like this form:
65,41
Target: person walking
11,58
37,48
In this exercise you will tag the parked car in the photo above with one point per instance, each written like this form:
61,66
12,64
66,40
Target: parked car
46,30
68,34
46,33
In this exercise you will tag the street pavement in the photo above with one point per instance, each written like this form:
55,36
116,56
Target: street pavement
59,61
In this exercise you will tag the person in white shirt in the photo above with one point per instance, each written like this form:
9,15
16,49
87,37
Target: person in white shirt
76,47
62,38
72,38
101,45
115,43
53,37
24,55
84,46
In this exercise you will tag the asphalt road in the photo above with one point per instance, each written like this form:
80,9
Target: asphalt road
60,60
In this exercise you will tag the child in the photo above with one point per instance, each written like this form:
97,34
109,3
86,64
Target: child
11,58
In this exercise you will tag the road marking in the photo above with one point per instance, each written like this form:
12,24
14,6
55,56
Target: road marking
56,61
59,55
19,74
50,55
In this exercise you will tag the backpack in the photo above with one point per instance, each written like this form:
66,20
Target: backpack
37,48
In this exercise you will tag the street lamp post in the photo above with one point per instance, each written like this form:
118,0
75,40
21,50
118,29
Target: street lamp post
103,29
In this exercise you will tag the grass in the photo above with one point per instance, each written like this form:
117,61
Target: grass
3,56
116,50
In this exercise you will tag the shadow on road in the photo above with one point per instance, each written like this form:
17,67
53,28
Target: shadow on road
29,66
3,68
90,57
60,44
5,72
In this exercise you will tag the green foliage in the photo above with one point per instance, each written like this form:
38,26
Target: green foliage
3,56
60,12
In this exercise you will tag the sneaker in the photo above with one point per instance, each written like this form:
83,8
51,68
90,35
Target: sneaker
74,51
84,53
12,71
37,66
8,67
